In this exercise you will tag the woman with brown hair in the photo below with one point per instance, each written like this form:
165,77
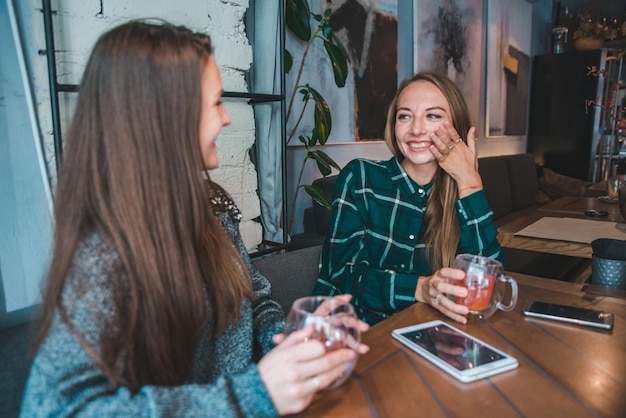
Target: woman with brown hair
152,307
397,225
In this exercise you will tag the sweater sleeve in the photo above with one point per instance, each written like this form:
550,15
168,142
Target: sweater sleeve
64,383
65,380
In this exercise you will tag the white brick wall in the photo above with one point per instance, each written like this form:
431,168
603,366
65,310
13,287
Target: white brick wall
79,23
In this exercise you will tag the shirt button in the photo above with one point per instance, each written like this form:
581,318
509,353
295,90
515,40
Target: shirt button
401,266
411,236
420,190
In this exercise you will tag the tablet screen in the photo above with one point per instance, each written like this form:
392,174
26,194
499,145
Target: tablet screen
456,349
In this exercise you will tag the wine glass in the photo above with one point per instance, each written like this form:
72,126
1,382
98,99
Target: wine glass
334,321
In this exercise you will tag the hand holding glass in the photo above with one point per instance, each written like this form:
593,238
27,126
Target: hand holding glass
335,323
486,283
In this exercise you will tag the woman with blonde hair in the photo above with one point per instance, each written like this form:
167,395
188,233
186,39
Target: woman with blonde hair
152,307
397,225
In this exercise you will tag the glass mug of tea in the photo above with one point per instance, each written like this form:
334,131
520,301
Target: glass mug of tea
334,321
486,286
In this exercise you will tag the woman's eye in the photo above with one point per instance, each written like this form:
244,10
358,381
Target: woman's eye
403,116
433,116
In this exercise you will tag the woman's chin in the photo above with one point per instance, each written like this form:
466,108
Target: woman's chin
211,163
420,157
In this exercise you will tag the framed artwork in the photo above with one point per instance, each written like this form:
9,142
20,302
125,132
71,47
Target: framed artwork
508,67
369,32
449,38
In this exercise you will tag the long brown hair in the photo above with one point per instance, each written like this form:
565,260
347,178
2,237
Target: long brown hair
442,233
133,172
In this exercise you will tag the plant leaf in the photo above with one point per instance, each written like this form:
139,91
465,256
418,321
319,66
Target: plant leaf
288,61
327,32
322,116
305,95
297,17
339,63
322,155
322,165
332,38
318,196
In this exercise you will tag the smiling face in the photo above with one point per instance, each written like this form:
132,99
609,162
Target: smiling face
214,116
422,108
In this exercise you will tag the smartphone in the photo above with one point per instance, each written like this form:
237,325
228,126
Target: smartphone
571,314
596,213
461,355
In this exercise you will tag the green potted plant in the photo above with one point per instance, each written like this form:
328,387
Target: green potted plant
298,19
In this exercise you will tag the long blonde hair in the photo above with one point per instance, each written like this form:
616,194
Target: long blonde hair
133,173
441,223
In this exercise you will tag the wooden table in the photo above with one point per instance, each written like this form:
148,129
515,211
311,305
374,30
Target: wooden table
575,207
570,207
564,370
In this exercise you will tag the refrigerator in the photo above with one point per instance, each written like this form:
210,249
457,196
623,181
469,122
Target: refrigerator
563,132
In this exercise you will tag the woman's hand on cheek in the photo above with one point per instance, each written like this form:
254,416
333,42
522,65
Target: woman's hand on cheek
471,144
456,157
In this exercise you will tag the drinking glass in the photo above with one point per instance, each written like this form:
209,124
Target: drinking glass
613,186
486,284
335,325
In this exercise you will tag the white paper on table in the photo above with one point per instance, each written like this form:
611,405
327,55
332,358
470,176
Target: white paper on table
573,230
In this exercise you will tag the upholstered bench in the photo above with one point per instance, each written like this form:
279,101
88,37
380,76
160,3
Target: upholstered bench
511,185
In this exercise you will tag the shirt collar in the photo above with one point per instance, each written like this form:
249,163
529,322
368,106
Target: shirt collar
407,186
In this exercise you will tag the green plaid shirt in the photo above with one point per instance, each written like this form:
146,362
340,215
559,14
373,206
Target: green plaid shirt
375,250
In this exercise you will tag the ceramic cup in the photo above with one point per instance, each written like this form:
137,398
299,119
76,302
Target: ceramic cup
486,285
335,324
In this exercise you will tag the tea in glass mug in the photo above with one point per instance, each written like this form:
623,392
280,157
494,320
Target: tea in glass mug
486,285
334,321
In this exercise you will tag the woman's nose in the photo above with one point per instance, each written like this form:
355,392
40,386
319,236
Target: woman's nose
416,126
225,118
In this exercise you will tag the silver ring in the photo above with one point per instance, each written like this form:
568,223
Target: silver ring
316,382
436,300
458,140
451,146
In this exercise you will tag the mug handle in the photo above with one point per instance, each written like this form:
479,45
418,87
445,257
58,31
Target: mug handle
513,301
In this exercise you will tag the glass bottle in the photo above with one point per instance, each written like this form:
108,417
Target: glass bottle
614,29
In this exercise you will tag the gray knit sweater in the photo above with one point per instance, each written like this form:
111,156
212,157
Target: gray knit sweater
65,381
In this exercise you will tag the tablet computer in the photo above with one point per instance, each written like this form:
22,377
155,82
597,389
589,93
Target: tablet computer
456,352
